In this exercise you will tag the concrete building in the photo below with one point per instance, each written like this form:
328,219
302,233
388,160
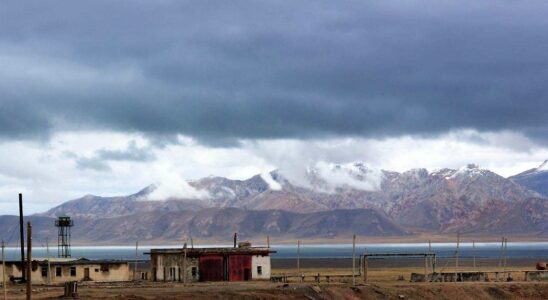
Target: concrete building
211,264
71,269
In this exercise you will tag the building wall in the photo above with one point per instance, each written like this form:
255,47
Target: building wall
239,267
264,263
169,267
212,268
537,275
97,272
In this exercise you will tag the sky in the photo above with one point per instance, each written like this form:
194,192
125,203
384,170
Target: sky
107,97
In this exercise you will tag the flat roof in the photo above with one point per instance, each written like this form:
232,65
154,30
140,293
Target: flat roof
211,251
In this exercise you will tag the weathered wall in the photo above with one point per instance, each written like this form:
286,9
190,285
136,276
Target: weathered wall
97,272
537,276
211,268
239,267
169,267
264,262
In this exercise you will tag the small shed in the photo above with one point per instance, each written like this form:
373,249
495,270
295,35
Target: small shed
240,263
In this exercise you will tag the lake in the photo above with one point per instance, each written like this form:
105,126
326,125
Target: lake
482,250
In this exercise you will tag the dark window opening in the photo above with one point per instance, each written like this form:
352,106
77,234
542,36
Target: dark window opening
260,270
96,270
44,271
58,271
194,271
72,271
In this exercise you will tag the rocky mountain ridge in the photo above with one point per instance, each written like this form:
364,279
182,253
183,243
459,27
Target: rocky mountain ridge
445,200
213,224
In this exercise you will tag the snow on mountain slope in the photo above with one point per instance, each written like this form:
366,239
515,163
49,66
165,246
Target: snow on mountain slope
535,179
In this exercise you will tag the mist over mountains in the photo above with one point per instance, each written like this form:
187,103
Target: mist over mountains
329,201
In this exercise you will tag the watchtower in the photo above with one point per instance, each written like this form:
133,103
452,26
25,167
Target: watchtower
63,223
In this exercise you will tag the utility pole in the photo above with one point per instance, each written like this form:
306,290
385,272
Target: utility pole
457,256
354,260
501,252
4,272
22,237
268,241
184,264
29,261
299,257
49,265
505,252
430,261
474,253
135,264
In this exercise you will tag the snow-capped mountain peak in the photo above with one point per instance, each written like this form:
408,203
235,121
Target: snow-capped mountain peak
469,170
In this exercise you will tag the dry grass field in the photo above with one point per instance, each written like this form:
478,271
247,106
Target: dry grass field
384,282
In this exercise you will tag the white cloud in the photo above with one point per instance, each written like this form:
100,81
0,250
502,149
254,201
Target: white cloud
347,175
272,184
170,184
47,176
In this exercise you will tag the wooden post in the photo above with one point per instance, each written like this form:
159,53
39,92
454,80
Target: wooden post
267,241
184,263
501,251
354,260
430,262
474,254
457,257
29,261
425,266
49,265
365,266
135,264
505,252
22,236
434,264
299,257
4,272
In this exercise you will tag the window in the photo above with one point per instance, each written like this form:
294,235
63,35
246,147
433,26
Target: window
72,271
194,271
96,270
58,271
44,271
260,270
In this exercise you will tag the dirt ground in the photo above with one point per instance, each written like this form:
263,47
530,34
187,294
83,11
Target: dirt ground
385,281
267,290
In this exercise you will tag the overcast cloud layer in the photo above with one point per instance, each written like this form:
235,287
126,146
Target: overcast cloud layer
109,96
267,69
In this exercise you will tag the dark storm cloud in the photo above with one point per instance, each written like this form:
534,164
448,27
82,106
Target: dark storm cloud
100,159
221,71
131,153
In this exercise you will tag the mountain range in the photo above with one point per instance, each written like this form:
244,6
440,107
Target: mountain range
326,201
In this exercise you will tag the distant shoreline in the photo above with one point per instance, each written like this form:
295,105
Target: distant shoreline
414,239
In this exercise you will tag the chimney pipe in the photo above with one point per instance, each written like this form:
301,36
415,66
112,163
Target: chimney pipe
22,236
235,239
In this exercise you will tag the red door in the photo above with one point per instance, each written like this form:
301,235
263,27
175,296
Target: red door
239,267
211,268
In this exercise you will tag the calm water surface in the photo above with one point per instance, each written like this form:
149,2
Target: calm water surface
485,250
